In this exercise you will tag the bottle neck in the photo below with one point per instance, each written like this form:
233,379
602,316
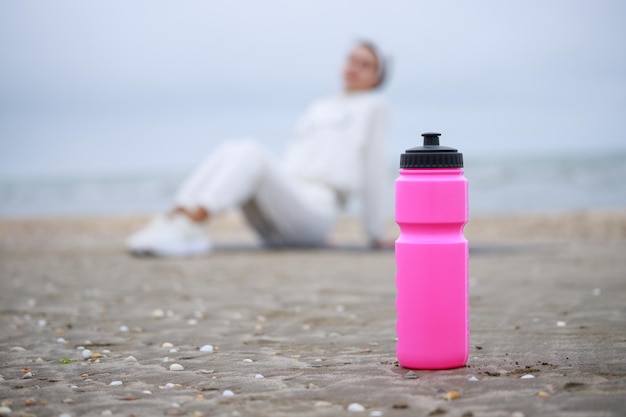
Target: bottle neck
431,171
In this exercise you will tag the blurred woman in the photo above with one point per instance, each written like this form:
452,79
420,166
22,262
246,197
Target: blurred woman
337,153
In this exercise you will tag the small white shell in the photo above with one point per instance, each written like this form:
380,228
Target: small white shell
356,408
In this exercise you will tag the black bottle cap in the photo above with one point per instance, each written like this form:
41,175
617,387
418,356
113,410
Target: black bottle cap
431,155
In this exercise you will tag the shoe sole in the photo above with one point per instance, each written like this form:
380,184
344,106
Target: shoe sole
190,248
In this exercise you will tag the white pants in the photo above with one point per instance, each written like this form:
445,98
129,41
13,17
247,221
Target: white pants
283,209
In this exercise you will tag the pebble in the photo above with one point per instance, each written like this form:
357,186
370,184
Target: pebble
130,359
124,329
147,392
158,313
228,393
174,350
206,348
169,385
356,408
175,405
322,404
473,379
61,340
561,324
176,367
65,415
167,345
39,361
376,413
410,375
192,322
106,351
42,323
527,376
259,376
452,395
86,353
543,394
5,411
17,349
247,360
116,383
106,413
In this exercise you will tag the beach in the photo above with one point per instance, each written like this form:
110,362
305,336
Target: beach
87,330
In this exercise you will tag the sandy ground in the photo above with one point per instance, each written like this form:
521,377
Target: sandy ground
548,299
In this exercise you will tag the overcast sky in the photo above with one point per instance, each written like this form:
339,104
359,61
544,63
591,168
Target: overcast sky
91,86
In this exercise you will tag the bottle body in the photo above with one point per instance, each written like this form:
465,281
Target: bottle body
432,257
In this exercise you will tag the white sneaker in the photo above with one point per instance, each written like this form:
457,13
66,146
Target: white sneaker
139,242
179,237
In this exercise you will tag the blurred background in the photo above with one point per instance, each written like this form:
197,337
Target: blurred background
105,106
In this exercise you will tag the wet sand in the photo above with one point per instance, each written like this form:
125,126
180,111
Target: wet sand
547,296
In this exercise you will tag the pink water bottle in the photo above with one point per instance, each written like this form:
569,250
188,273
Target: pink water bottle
432,258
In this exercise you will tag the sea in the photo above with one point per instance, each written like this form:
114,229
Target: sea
498,184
